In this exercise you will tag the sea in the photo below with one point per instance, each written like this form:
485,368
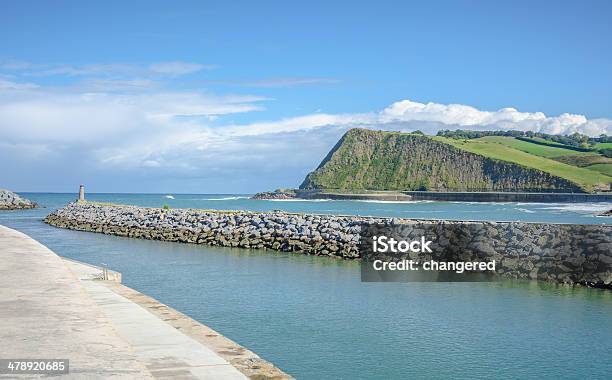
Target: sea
315,319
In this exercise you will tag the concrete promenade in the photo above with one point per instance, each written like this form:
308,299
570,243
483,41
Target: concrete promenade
53,309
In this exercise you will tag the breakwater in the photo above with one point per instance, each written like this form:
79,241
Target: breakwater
439,196
12,201
566,253
467,196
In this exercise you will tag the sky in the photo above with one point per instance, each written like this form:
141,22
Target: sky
245,96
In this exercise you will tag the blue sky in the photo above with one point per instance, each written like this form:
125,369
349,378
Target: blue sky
248,96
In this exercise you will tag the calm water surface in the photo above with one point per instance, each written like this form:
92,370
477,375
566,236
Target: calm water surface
313,317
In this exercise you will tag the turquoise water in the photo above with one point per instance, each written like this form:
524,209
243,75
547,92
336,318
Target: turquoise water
313,317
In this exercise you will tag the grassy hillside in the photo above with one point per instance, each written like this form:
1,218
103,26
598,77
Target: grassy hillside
534,156
603,146
584,160
535,149
601,168
376,160
590,159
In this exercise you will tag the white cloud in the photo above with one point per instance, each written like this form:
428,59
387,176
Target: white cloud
96,119
106,84
300,123
595,127
151,164
84,70
458,114
275,82
288,82
176,68
467,117
431,117
10,85
173,68
14,65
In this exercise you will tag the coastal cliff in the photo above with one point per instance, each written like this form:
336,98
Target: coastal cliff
12,201
378,160
565,253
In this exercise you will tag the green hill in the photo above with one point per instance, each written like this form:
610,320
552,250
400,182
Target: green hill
377,160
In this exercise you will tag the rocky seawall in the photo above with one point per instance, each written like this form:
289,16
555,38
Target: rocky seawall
310,234
565,253
274,195
393,196
438,196
12,201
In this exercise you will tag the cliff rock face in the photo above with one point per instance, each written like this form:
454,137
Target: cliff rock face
377,160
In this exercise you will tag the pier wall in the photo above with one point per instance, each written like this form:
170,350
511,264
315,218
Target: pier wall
565,253
507,197
441,196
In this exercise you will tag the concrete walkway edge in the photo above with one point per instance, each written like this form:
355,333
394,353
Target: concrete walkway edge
50,311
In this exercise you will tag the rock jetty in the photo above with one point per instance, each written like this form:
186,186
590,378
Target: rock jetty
438,196
12,201
566,253
310,234
272,195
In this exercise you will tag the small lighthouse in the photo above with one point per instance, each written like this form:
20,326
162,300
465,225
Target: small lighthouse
82,193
